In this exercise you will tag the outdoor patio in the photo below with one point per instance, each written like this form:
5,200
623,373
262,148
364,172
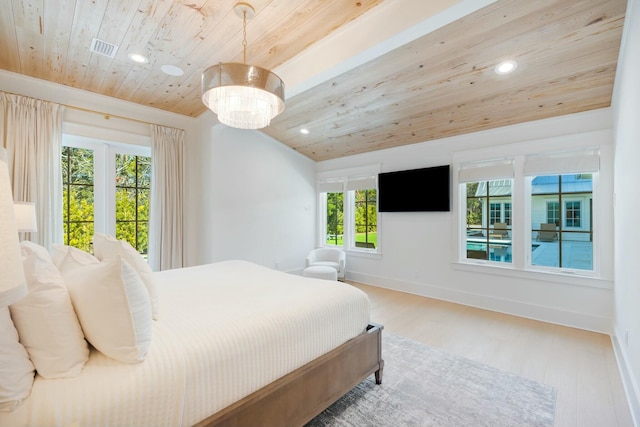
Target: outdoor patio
575,255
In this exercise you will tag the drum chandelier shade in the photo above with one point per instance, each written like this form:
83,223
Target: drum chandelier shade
243,96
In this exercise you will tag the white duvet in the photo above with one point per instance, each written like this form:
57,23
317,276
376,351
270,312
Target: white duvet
224,331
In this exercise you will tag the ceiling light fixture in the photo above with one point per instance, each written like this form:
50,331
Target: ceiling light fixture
243,96
139,58
506,67
304,131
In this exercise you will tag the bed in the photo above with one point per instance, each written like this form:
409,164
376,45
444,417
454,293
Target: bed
235,344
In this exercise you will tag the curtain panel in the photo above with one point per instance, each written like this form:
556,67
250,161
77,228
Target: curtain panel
167,193
31,132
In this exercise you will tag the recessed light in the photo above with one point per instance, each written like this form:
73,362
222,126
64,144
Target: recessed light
304,131
506,67
172,70
138,57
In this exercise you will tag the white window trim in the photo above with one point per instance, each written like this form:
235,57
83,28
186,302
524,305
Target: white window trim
601,276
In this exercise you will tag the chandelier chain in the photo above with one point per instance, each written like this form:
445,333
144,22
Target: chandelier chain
244,35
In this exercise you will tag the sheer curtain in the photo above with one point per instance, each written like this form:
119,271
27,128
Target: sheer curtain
165,229
31,131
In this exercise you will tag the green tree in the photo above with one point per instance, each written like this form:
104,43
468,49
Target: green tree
474,206
78,197
133,192
366,216
335,218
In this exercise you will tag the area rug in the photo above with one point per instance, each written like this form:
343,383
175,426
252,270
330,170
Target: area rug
425,386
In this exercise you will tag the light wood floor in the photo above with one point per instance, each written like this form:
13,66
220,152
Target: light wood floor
580,364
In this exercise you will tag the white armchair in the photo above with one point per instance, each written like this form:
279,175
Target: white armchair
328,257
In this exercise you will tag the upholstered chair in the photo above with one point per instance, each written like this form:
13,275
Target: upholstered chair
330,257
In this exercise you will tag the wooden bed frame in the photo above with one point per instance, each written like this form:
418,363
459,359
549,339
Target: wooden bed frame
299,396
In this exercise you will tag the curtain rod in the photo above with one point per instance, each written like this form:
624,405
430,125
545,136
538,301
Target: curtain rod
106,116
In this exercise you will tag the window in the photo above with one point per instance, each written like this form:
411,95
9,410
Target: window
335,219
553,213
133,195
106,189
551,221
562,238
366,214
495,213
573,214
349,212
78,196
488,240
507,213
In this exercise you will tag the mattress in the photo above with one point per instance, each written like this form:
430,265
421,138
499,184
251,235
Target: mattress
224,331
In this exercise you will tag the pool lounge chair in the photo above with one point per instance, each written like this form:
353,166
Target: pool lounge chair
500,230
547,233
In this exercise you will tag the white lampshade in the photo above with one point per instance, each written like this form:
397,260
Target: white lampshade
25,216
13,284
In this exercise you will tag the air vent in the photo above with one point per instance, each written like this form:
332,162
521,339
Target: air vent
103,48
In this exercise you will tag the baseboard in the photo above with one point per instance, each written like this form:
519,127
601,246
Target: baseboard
502,305
631,388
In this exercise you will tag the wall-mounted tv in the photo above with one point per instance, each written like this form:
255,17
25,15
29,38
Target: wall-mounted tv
415,190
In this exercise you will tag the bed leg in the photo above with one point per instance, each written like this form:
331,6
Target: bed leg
379,373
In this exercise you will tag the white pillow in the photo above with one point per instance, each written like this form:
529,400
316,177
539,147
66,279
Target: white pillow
67,258
48,327
113,306
105,246
16,370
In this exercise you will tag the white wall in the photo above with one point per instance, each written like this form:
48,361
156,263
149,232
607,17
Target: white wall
251,197
418,250
626,105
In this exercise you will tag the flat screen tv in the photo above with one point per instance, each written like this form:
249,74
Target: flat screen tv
415,190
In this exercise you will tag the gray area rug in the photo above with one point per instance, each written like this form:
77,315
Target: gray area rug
425,386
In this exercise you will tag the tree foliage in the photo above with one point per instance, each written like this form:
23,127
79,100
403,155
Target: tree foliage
335,218
474,206
366,216
133,182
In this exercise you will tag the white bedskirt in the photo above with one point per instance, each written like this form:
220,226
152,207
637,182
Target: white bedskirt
224,331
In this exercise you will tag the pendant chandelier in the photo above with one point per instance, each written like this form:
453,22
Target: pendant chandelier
243,96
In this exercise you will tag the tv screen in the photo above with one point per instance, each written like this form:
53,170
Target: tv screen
415,190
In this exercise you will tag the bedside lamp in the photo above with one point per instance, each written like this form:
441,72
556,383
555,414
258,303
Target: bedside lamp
13,284
25,216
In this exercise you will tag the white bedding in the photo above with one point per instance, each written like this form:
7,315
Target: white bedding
224,331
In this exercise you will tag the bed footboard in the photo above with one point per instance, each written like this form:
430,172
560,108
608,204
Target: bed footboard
299,396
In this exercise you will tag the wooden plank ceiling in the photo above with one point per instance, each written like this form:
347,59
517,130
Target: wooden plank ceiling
439,85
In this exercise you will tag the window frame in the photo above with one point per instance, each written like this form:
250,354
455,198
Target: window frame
105,151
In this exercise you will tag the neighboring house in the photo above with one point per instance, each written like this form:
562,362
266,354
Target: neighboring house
567,206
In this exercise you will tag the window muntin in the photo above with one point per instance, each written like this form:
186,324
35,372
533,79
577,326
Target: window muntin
487,231
562,238
335,219
78,197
